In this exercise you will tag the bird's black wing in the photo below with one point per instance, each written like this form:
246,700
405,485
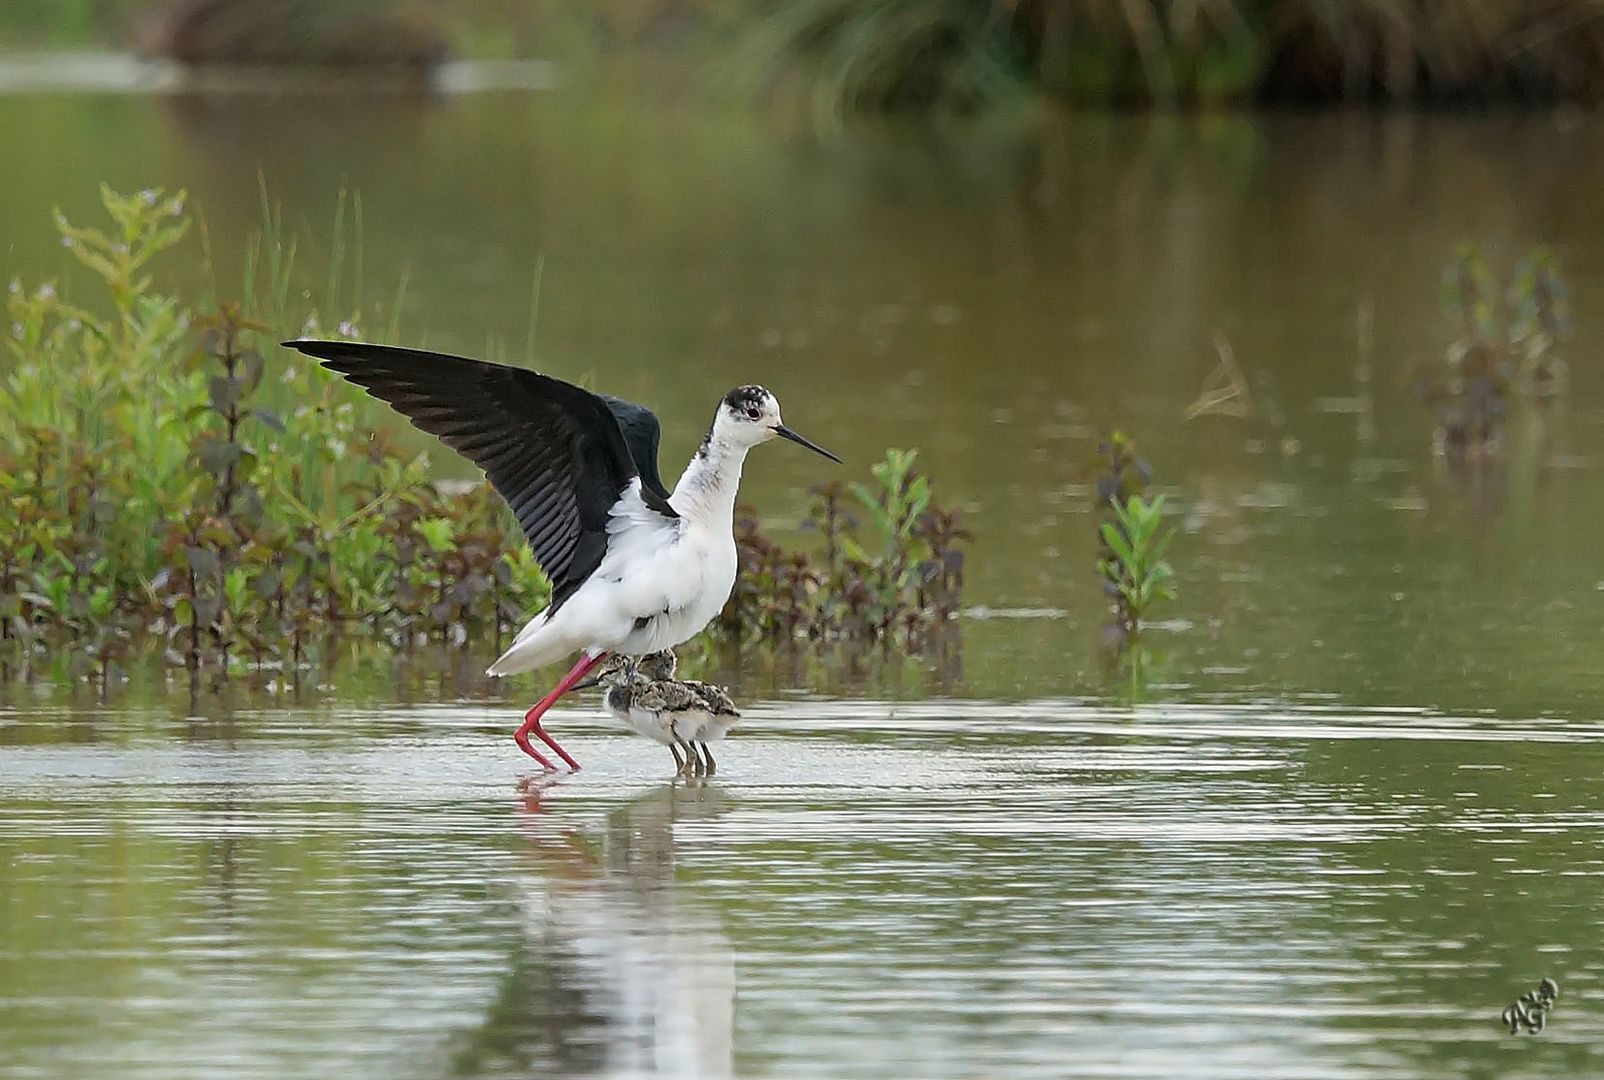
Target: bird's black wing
554,451
641,433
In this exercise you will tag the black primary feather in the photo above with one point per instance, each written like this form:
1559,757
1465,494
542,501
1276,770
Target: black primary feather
559,455
641,433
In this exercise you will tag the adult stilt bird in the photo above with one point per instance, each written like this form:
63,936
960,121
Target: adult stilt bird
633,567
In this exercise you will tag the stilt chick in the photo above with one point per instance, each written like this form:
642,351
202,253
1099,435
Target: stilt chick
681,714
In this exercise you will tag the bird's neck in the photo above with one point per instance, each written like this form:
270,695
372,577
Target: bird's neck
706,489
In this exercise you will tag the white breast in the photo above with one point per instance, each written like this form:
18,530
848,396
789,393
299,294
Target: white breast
698,570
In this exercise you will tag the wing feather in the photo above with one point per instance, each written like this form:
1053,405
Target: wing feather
558,454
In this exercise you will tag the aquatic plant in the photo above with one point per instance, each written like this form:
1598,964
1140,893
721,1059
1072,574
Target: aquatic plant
1123,471
1137,572
1498,356
164,488
890,569
152,488
1131,543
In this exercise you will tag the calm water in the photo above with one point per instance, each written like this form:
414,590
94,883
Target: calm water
868,889
1357,815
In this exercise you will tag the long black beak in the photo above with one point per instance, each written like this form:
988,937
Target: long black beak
786,433
587,684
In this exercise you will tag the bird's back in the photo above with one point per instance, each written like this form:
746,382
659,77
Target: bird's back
715,699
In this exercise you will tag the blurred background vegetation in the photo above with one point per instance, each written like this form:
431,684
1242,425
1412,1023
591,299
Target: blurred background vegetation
902,54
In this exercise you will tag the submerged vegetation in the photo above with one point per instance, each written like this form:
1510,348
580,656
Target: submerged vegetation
163,487
1503,353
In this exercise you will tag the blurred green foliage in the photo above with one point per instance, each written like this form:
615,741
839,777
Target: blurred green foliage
1131,540
1507,348
873,55
886,54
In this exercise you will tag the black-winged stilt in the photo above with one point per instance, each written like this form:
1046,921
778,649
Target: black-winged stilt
679,713
634,568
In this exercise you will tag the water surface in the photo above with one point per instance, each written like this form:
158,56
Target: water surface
1357,814
867,889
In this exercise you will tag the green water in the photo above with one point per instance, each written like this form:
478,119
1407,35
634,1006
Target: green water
1357,815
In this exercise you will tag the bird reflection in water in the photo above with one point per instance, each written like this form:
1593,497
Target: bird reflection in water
620,970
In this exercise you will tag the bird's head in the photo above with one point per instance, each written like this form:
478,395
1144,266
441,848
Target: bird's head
658,665
750,415
616,670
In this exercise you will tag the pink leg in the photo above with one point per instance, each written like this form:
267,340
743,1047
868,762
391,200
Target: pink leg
532,717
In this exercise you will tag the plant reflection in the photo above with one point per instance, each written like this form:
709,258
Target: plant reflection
619,970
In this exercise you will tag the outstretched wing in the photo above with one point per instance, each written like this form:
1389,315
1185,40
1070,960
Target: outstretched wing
554,451
641,434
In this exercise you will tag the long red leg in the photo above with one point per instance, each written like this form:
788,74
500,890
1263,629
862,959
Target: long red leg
532,717
523,744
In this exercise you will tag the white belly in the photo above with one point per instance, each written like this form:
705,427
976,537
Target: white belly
712,728
655,726
660,583
709,564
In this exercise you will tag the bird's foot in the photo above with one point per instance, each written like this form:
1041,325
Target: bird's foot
521,737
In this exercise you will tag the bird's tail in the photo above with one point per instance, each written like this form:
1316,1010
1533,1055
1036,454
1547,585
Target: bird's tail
529,650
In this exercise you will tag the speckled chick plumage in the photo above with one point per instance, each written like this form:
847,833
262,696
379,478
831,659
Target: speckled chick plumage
644,694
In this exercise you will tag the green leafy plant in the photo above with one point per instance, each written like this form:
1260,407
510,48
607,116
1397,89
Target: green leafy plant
158,488
891,565
1137,570
1131,544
